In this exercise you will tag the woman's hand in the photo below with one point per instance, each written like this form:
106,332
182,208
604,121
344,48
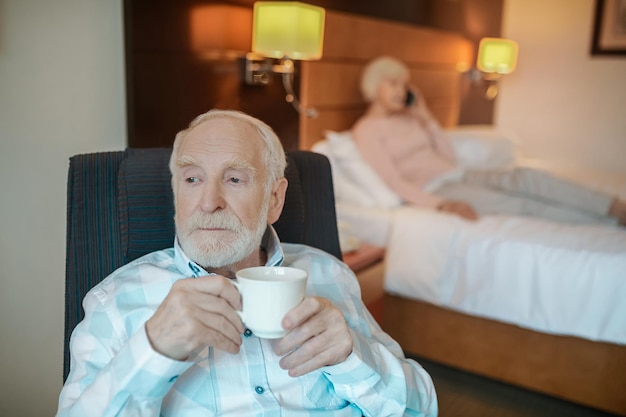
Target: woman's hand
459,208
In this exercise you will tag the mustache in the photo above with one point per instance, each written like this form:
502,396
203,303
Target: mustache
219,220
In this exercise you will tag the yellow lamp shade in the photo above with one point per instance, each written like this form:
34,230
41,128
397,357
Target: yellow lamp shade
497,55
288,29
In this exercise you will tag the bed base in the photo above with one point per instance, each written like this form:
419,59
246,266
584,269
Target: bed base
589,373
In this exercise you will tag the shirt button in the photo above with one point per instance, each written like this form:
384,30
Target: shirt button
247,333
174,378
259,390
194,268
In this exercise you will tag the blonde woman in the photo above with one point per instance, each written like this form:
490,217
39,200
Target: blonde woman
405,145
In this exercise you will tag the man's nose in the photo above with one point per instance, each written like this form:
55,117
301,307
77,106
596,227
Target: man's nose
212,196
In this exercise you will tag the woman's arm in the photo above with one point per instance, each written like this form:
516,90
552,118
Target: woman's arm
439,140
369,139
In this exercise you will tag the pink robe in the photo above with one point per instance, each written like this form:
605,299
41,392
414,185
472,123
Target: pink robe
407,150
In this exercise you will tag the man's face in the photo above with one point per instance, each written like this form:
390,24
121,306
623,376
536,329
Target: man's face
222,208
391,93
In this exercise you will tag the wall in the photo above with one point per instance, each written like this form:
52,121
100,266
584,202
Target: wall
473,19
61,93
565,105
170,82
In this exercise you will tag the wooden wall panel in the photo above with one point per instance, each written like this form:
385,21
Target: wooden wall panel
331,85
336,120
355,37
168,84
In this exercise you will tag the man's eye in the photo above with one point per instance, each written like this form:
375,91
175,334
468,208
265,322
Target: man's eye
191,180
235,180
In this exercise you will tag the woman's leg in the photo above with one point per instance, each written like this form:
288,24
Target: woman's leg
491,201
543,186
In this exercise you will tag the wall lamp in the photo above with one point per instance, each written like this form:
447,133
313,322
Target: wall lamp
284,31
496,57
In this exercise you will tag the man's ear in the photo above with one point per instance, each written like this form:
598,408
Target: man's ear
277,200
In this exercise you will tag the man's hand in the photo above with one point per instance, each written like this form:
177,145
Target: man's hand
318,336
197,312
459,208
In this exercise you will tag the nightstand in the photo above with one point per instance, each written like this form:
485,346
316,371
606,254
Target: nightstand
367,262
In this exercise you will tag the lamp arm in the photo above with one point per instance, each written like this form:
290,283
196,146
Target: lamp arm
291,97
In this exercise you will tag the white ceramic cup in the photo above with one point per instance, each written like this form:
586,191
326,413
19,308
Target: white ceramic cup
268,293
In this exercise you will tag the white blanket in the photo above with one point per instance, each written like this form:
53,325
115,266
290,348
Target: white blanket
559,279
555,278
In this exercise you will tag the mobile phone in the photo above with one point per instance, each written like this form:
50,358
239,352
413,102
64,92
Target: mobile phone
410,98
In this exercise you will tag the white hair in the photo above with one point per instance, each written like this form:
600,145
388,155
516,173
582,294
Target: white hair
273,155
377,70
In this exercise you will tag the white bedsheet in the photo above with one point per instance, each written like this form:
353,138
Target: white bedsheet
554,278
368,224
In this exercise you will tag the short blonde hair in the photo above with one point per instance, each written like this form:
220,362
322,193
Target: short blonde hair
377,70
274,154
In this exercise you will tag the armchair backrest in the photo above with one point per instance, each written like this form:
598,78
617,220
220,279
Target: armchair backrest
120,207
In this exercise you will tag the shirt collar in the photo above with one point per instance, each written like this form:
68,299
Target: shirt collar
270,242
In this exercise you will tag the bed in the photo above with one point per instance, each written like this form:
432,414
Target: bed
481,297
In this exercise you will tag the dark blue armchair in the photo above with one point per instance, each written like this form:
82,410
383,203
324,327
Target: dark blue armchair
120,207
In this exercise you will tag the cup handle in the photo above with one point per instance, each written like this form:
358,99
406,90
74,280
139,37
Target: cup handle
239,312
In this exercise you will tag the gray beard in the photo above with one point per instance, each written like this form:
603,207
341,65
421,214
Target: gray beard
210,252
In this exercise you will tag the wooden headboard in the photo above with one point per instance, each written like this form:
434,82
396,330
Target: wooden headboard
331,85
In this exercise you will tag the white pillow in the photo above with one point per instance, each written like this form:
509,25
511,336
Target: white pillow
356,182
483,147
345,190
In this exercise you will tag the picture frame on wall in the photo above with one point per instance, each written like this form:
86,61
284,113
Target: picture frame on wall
609,29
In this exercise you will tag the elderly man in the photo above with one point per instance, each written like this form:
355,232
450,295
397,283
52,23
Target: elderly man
161,335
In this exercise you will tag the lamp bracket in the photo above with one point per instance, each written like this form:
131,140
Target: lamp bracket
291,95
258,72
486,80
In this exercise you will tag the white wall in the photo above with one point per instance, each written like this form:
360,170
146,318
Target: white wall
564,104
61,93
